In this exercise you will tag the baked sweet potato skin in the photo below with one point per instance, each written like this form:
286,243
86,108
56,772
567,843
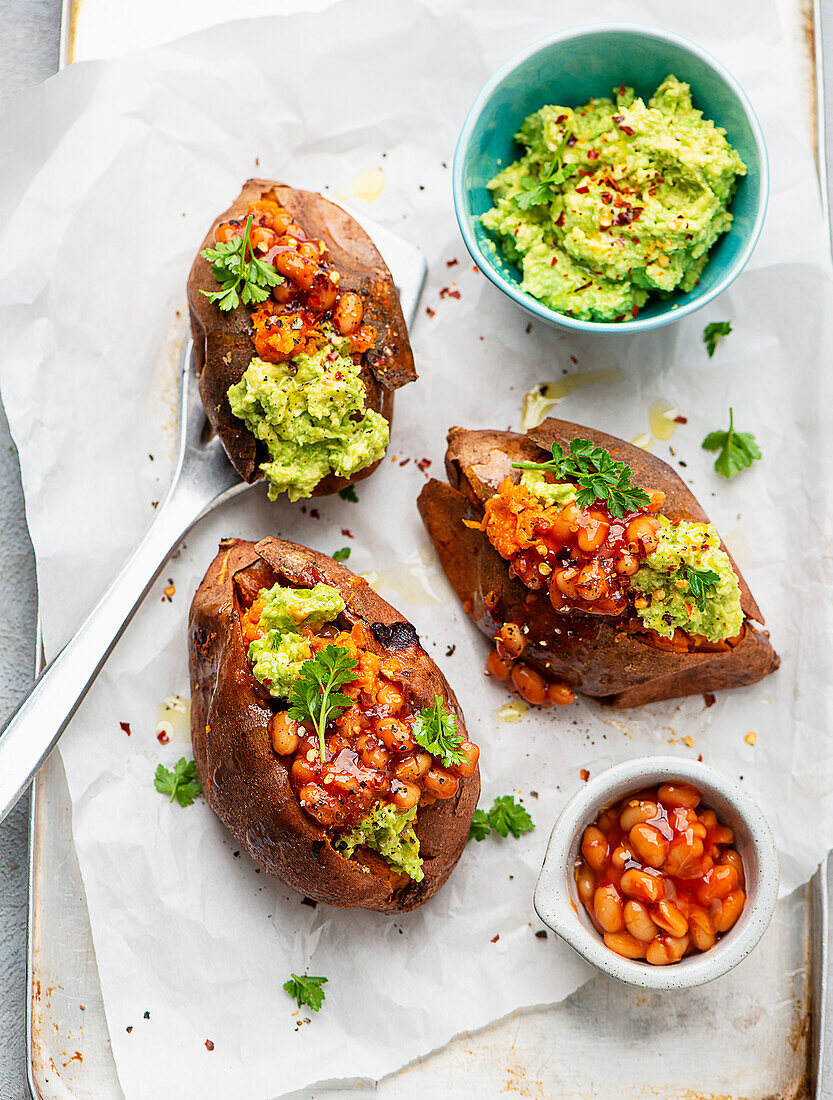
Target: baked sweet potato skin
593,654
223,346
247,784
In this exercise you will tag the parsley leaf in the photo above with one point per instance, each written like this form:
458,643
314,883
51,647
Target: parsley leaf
241,275
542,191
315,698
480,827
342,555
599,477
738,450
349,494
713,332
436,731
306,990
181,783
702,584
506,816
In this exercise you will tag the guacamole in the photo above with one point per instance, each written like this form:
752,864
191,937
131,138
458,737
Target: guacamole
277,656
665,580
391,834
614,200
310,412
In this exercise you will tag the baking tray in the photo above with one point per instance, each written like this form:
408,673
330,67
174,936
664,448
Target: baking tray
748,1036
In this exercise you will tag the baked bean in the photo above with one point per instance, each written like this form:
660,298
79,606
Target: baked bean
323,292
318,802
510,641
733,860
636,812
281,222
302,771
622,855
709,819
468,765
657,500
294,232
625,564
685,859
309,250
293,266
559,695
528,683
701,930
373,754
591,584
649,844
497,667
284,733
607,819
666,949
607,905
362,339
625,944
440,784
642,886
404,795
594,847
395,734
723,835
670,919
565,581
642,532
591,536
638,921
586,884
679,794
389,695
348,313
730,910
413,767
717,884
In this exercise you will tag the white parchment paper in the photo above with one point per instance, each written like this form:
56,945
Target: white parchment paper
111,173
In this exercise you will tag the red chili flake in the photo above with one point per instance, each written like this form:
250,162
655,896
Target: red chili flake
709,699
348,534
162,737
585,774
607,198
126,727
582,190
621,89
573,359
475,269
451,263
584,286
429,311
560,118
634,311
627,129
404,462
560,219
332,354
209,1045
592,154
423,464
618,118
700,757
494,939
680,419
553,261
315,513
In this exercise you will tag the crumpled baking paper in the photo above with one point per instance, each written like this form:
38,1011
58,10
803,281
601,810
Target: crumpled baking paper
112,173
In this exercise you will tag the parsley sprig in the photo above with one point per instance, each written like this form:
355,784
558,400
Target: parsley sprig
315,698
536,193
341,555
436,731
738,450
506,816
306,990
713,332
181,783
702,584
241,275
599,477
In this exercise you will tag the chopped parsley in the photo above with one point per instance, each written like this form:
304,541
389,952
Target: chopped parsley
342,555
241,275
536,193
181,783
306,990
738,450
315,698
713,332
506,816
702,584
349,494
598,475
436,731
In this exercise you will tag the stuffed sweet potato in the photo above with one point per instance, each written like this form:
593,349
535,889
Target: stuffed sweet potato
592,567
299,340
325,738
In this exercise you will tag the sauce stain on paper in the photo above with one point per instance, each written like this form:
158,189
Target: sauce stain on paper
546,395
367,186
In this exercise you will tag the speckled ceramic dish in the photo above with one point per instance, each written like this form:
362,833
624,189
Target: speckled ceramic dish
569,68
558,904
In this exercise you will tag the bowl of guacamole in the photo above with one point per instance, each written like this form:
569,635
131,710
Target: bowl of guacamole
611,178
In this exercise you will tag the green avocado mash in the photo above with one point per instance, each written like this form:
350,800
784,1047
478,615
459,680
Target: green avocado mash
277,656
311,414
685,547
389,833
549,492
614,200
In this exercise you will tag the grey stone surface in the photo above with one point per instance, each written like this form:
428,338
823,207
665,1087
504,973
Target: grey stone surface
29,39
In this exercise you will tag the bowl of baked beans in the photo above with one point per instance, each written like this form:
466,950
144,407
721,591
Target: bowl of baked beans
661,872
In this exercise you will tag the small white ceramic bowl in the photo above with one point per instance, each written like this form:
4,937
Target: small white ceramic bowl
560,908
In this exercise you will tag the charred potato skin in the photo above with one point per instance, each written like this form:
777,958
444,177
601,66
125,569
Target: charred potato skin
592,654
247,785
223,345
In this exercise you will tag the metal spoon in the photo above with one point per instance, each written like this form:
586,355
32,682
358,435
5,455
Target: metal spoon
203,478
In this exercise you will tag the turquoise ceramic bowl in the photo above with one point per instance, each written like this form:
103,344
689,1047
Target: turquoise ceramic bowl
568,68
